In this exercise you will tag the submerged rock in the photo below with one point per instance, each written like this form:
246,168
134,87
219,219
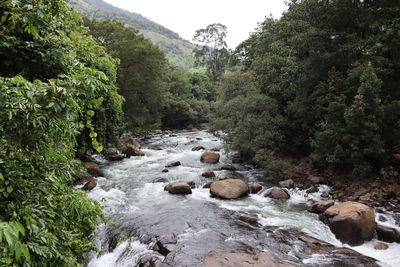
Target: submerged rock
232,259
210,157
277,193
92,183
208,174
228,167
229,189
173,164
351,222
380,246
178,188
255,188
197,148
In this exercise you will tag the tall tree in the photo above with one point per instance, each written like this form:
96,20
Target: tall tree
211,50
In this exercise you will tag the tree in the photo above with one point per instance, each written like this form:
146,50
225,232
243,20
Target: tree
211,49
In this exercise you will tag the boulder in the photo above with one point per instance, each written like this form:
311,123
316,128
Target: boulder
160,180
380,246
173,164
286,183
165,170
158,131
197,148
231,259
93,168
92,183
277,193
229,189
388,234
130,146
255,188
228,167
178,188
316,179
321,206
210,157
131,150
208,174
351,222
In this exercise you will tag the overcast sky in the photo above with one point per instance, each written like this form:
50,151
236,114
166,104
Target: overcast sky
185,17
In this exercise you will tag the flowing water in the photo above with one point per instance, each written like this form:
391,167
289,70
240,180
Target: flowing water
150,227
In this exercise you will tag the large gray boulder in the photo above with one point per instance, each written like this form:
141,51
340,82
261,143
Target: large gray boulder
210,157
229,189
351,222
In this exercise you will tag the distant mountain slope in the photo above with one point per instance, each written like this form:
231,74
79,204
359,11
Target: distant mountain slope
179,51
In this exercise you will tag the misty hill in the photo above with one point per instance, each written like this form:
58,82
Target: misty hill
179,51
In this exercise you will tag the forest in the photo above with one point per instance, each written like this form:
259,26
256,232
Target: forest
319,84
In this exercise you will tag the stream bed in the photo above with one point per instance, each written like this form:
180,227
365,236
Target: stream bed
150,227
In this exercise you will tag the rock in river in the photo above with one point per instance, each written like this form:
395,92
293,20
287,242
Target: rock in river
93,168
277,193
229,189
351,222
321,206
173,164
208,174
178,188
210,157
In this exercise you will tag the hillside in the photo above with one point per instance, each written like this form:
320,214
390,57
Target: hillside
179,51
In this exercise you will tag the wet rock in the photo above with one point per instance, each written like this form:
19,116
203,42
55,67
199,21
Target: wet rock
228,167
207,185
165,170
231,259
210,157
255,188
382,218
132,151
312,189
92,183
351,222
178,188
199,138
158,132
208,174
325,195
215,149
229,189
321,206
158,246
286,183
388,234
82,178
277,193
93,168
160,180
316,179
198,148
380,246
173,164
116,157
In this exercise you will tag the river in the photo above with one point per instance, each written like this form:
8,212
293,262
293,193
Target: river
150,227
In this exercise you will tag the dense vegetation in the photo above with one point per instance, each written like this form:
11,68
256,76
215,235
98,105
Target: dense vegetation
155,94
321,82
58,92
179,51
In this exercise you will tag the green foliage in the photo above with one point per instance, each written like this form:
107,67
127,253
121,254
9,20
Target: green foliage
141,72
57,92
211,49
313,62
